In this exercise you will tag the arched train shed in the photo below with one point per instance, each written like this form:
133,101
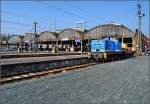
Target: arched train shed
29,37
46,40
118,31
70,39
15,39
13,43
27,41
46,37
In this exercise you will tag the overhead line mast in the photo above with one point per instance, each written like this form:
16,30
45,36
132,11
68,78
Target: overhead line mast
140,15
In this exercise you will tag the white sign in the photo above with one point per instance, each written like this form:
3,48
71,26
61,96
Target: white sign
39,45
26,41
64,39
50,45
77,39
4,42
44,46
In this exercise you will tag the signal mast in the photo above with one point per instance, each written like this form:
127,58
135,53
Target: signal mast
140,14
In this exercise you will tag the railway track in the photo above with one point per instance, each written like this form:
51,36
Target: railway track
44,73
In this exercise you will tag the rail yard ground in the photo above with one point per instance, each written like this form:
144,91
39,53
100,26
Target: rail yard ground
120,82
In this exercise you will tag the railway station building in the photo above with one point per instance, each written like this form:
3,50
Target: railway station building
70,39
144,40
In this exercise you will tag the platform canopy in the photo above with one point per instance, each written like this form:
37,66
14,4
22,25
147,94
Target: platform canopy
69,34
46,36
15,39
28,38
109,30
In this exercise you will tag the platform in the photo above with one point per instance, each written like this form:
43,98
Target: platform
37,54
120,82
15,66
37,59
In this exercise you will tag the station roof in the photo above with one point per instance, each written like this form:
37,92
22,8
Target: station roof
15,39
110,29
69,34
105,30
46,36
29,37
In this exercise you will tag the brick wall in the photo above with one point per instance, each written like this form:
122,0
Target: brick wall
145,41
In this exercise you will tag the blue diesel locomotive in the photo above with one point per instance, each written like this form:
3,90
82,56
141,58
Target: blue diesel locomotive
106,48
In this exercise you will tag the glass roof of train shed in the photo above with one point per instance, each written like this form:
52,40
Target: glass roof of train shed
109,30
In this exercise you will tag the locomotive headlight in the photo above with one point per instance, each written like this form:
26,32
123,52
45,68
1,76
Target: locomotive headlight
133,49
124,46
105,55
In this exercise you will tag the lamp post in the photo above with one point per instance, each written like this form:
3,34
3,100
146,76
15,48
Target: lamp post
82,30
34,40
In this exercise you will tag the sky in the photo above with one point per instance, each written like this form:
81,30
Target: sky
17,17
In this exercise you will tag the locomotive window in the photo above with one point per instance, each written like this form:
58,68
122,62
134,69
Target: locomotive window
127,40
97,50
120,39
129,45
